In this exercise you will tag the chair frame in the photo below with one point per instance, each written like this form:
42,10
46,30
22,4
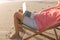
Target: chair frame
58,28
54,26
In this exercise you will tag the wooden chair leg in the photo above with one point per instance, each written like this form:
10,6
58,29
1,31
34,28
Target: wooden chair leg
41,35
58,28
56,33
47,36
30,37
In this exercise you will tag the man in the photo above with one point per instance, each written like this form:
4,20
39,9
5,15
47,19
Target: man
18,19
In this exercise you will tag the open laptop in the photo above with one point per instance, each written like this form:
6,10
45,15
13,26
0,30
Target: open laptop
28,21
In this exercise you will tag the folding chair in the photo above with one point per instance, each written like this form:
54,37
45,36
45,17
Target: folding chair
54,26
39,32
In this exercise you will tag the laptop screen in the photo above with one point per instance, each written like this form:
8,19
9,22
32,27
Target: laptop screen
24,7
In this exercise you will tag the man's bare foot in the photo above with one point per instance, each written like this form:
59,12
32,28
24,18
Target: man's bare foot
14,36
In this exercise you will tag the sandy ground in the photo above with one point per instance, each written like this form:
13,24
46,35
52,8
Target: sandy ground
7,11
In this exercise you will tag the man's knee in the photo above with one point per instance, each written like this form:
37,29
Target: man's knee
16,14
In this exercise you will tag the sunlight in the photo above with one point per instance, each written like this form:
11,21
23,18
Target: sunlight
3,1
24,7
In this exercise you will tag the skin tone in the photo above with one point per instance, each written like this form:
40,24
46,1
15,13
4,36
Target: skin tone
18,18
58,4
58,1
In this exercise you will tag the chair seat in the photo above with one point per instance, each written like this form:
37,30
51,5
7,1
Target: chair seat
28,26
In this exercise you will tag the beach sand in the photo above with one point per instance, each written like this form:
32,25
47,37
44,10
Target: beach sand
7,11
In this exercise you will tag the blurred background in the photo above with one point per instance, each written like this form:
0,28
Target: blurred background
9,7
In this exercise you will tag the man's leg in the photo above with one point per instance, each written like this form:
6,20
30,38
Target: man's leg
18,18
